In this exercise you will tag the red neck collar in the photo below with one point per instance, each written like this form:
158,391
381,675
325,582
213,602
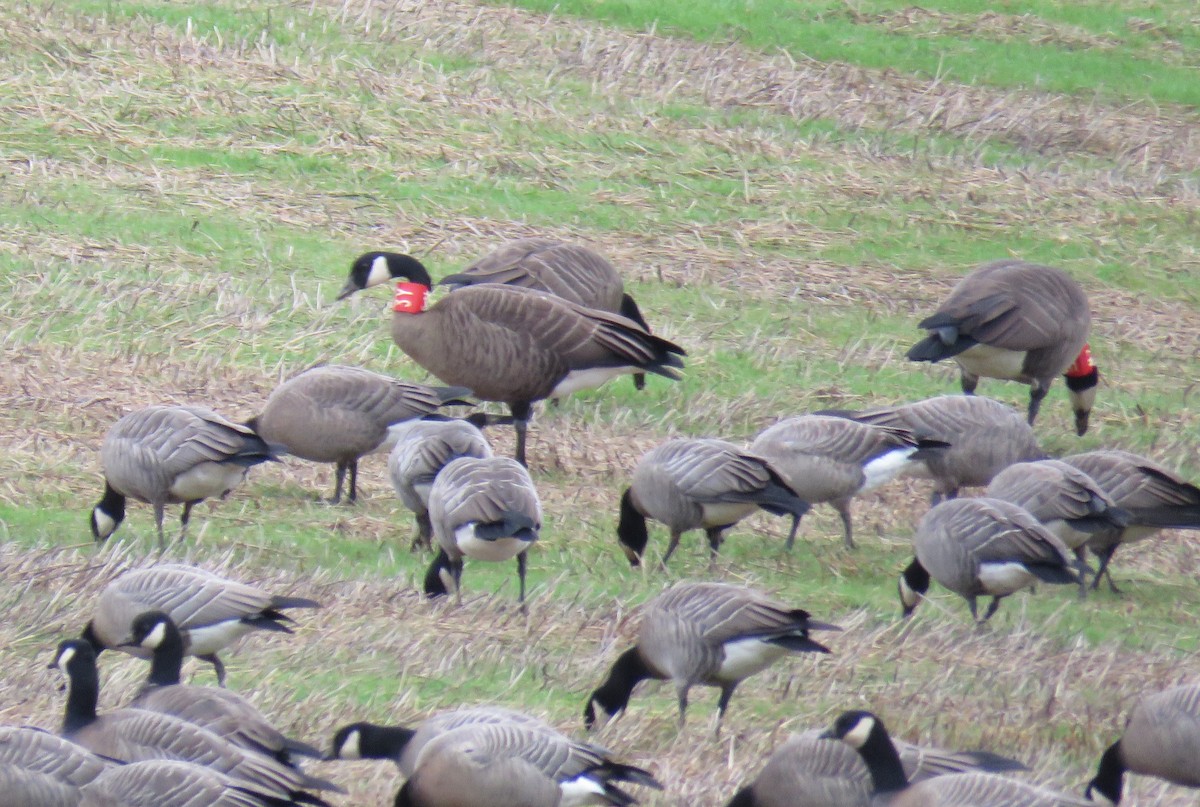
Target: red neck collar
410,298
1083,364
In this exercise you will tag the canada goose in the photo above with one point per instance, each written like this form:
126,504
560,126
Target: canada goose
516,765
809,771
134,735
483,508
977,547
423,448
39,769
172,455
170,783
1017,321
570,271
832,459
713,634
866,734
1156,498
984,437
404,745
222,712
707,484
508,343
339,414
1067,501
1161,739
210,611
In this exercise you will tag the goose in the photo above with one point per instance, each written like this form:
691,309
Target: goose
1161,739
832,459
170,783
1018,321
211,611
704,483
485,509
810,771
1065,500
570,271
39,769
172,455
134,735
1156,498
339,414
422,449
510,344
866,734
222,712
978,547
511,764
401,745
984,437
714,634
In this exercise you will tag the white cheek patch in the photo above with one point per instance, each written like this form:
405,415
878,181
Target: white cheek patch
155,637
909,597
105,524
380,273
447,580
65,659
857,736
351,746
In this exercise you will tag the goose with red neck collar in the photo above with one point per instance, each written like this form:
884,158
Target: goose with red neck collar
510,344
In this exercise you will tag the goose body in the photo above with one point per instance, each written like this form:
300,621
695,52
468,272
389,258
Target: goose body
713,634
39,769
513,764
170,783
1161,739
172,455
508,343
984,437
482,508
422,449
833,459
978,547
704,483
1018,321
340,414
210,611
810,771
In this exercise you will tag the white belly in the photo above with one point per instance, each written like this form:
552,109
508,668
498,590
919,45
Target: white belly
722,513
212,638
745,657
993,362
587,379
1001,579
885,468
477,548
581,791
206,480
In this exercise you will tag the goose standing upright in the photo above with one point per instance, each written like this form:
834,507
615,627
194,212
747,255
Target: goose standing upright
510,344
1018,321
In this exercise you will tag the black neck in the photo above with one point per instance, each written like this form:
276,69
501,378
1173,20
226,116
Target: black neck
916,576
166,666
883,761
383,742
1079,383
406,267
1109,781
631,527
83,692
627,672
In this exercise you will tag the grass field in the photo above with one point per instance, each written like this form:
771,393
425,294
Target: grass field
787,187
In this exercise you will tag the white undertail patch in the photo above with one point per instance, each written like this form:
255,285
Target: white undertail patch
885,468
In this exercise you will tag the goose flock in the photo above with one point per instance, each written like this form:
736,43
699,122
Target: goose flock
539,319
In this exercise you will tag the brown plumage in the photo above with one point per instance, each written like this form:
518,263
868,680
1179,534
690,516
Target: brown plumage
339,414
700,483
168,783
38,769
984,438
1018,321
511,344
172,455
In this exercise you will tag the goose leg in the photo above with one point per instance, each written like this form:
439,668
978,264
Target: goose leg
723,704
791,539
968,381
681,691
218,667
340,477
1081,557
353,481
1105,555
456,569
422,540
183,519
714,544
520,413
843,508
675,536
159,512
991,609
974,608
639,381
521,576
1036,393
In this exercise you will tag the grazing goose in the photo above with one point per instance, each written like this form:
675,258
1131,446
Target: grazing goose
866,734
570,271
404,745
172,455
485,509
512,764
1067,501
508,343
339,414
1156,498
707,484
978,547
422,449
984,438
1162,739
211,611
832,459
222,712
809,771
39,769
1017,321
714,634
135,735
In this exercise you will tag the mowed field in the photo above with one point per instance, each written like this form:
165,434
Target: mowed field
787,188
